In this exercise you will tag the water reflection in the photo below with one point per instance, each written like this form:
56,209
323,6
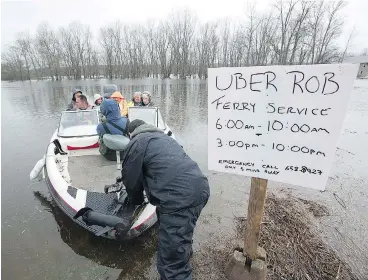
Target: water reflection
202,101
173,97
132,257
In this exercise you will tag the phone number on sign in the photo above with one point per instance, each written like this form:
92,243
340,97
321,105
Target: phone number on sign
303,169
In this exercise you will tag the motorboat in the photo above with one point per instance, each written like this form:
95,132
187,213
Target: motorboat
79,178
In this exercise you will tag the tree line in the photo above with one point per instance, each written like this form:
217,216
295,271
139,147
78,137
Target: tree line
292,32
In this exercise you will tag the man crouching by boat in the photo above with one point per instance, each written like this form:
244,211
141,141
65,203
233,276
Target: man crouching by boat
173,182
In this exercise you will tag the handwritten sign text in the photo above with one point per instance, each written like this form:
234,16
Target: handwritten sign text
280,123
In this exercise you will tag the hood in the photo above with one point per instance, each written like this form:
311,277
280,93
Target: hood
110,109
145,128
117,94
109,89
96,96
137,93
148,94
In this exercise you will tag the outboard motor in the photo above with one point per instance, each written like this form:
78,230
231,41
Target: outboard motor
121,219
91,217
108,222
108,90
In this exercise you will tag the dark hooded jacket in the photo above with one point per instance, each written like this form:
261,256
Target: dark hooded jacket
115,123
156,163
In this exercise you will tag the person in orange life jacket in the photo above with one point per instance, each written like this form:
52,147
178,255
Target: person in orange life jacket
123,105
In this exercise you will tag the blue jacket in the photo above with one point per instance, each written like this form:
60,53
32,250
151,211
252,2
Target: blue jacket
110,109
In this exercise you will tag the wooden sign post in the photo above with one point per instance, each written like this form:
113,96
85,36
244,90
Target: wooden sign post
256,204
251,262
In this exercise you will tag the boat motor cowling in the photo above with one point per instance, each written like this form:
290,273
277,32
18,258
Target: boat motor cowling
91,217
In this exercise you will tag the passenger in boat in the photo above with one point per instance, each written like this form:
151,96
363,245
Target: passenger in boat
123,105
108,90
72,105
146,99
156,163
98,99
114,124
136,100
82,103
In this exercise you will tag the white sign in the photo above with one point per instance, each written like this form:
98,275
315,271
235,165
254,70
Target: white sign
279,123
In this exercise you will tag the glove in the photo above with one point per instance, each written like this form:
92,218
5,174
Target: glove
119,179
112,188
128,201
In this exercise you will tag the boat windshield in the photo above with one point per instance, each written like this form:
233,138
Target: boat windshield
150,115
78,123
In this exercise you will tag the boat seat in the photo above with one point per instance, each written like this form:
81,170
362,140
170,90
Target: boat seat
116,142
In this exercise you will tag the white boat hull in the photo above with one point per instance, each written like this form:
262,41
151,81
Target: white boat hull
76,179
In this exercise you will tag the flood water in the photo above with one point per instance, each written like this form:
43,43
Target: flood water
40,242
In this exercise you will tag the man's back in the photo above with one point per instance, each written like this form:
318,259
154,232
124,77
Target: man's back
174,183
171,179
171,175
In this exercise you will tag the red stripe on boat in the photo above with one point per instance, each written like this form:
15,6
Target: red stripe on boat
70,148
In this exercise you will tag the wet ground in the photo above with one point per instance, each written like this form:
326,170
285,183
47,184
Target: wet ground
40,242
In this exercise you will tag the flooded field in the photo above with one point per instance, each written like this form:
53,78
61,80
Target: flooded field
40,242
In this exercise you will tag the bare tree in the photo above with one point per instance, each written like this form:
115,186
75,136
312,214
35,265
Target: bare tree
348,43
224,39
206,48
300,32
12,66
23,43
181,30
107,43
152,59
48,47
164,50
75,40
332,29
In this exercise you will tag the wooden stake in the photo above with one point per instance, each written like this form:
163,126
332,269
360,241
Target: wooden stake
256,204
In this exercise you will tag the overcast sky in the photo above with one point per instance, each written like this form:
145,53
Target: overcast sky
21,15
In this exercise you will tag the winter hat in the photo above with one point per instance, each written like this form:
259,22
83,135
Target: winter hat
134,124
